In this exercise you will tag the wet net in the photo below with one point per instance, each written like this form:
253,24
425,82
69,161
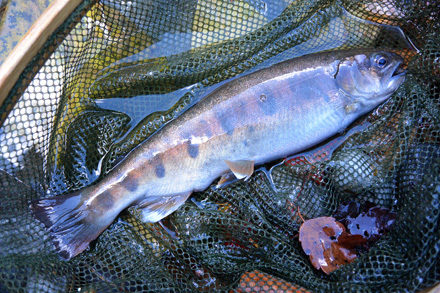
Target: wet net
116,71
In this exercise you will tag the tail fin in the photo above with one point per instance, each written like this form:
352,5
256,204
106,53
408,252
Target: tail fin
71,225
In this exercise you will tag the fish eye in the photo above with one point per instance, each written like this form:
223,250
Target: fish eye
381,61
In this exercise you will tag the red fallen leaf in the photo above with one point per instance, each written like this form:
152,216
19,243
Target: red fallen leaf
328,244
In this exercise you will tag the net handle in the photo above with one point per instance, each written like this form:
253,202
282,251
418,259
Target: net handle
32,42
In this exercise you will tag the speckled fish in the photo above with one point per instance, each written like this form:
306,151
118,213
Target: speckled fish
262,116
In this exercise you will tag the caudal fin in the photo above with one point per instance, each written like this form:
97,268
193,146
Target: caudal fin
69,222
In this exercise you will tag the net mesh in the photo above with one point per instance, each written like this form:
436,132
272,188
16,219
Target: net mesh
115,72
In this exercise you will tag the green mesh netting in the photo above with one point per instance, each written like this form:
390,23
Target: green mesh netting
116,71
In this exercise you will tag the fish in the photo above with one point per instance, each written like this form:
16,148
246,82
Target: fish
250,120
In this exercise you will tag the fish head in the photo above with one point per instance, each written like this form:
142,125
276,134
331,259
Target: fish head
370,78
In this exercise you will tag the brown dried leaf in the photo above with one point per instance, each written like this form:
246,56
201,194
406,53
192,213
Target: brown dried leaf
328,244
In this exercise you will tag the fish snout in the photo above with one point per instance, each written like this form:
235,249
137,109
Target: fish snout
395,75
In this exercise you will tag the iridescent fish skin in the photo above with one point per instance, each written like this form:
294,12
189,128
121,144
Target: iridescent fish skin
265,115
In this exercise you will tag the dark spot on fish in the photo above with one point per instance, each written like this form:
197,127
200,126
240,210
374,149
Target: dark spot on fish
193,150
159,168
130,182
160,171
251,129
106,201
267,104
226,120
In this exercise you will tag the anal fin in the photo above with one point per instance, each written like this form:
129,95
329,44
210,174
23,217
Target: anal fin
155,208
241,168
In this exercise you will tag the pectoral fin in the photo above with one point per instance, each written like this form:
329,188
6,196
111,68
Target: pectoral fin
155,208
242,168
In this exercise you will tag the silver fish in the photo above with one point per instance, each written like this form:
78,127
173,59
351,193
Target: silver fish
262,116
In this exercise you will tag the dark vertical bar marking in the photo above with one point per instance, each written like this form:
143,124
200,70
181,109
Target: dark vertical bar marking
105,201
159,168
193,150
130,182
226,121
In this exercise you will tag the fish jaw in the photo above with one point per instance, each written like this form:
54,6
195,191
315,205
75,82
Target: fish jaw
394,76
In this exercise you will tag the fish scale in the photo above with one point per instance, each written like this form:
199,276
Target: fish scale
253,119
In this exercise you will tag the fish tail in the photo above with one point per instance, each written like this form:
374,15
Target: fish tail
71,225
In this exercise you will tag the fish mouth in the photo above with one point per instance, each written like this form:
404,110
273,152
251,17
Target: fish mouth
396,75
398,69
